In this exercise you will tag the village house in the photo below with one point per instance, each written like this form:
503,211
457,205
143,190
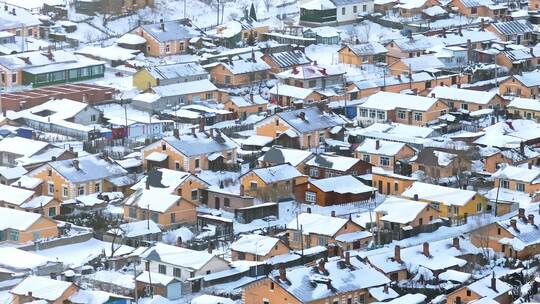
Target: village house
333,191
399,218
272,183
422,63
254,247
408,47
14,148
161,75
438,163
158,284
290,96
139,233
171,96
110,6
329,165
20,227
191,152
313,76
244,106
524,108
525,85
349,279
167,37
282,61
67,179
36,289
519,60
383,154
452,203
19,21
238,32
27,200
242,71
303,128
278,155
329,12
412,9
493,158
518,179
515,237
43,68
388,182
183,264
400,108
309,230
488,8
487,288
503,201
517,31
364,53
468,100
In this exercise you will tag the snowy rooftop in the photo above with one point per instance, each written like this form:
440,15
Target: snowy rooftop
278,155
311,72
137,229
334,162
90,168
155,278
457,94
341,184
317,224
277,173
390,101
255,244
15,258
21,146
178,256
155,199
17,220
399,210
483,288
201,143
388,148
41,288
368,48
313,119
171,31
522,174
291,91
435,193
525,104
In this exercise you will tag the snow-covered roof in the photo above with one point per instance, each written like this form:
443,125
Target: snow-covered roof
318,5
311,72
391,80
317,224
177,70
463,95
334,162
483,288
390,101
111,53
289,58
183,257
41,288
423,63
21,19
399,210
27,182
180,89
55,110
244,65
308,284
455,276
341,184
313,119
523,199
155,278
381,171
255,244
22,146
277,173
525,234
382,294
388,148
279,155
165,179
514,27
522,174
131,39
257,140
155,199
172,31
37,202
525,104
17,220
529,79
200,143
136,229
210,299
12,172
410,298
368,48
434,193
248,100
291,91
90,168
413,44
411,4
14,258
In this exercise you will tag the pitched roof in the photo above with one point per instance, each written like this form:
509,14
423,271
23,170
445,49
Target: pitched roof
514,27
174,30
22,146
388,148
200,143
391,101
183,257
279,155
155,199
368,48
90,168
16,219
311,72
176,70
277,173
14,195
342,184
441,194
522,174
334,162
400,210
289,58
317,224
313,119
464,95
525,104
42,288
255,244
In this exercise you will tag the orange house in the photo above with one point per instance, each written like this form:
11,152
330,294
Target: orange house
384,154
525,85
359,54
468,100
166,37
518,179
37,289
477,9
21,227
514,157
485,288
239,72
390,183
254,247
244,106
271,183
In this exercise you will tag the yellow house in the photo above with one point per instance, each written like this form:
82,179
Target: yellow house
239,72
364,53
271,183
243,106
526,85
146,78
254,247
191,152
67,179
524,108
452,203
22,227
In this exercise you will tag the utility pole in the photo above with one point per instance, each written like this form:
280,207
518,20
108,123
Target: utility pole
135,276
217,21
148,216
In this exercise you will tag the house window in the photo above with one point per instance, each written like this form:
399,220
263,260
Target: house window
229,155
173,217
253,186
49,172
241,255
384,161
465,106
65,192
181,46
364,8
177,272
81,190
93,117
132,212
296,236
154,216
381,115
343,11
13,235
355,9
227,202
163,147
479,207
311,197
52,211
401,114
227,79
520,187
366,158
312,83
197,163
322,240
97,188
468,293
266,301
473,10
194,194
313,172
177,166
51,189
505,184
13,78
396,187
162,269
417,116
167,48
271,285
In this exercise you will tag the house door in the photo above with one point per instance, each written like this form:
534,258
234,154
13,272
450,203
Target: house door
387,188
380,187
217,204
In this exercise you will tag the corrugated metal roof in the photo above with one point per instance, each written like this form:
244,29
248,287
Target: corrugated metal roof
513,27
290,58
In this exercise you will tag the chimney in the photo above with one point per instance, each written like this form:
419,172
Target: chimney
30,294
71,149
321,266
397,253
147,184
333,213
14,12
425,249
193,130
385,288
521,213
455,242
162,24
513,224
415,197
201,124
348,258
302,115
459,85
19,184
210,247
253,55
531,219
76,164
241,190
522,148
493,282
212,132
377,144
282,272
53,158
433,95
308,210
176,133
